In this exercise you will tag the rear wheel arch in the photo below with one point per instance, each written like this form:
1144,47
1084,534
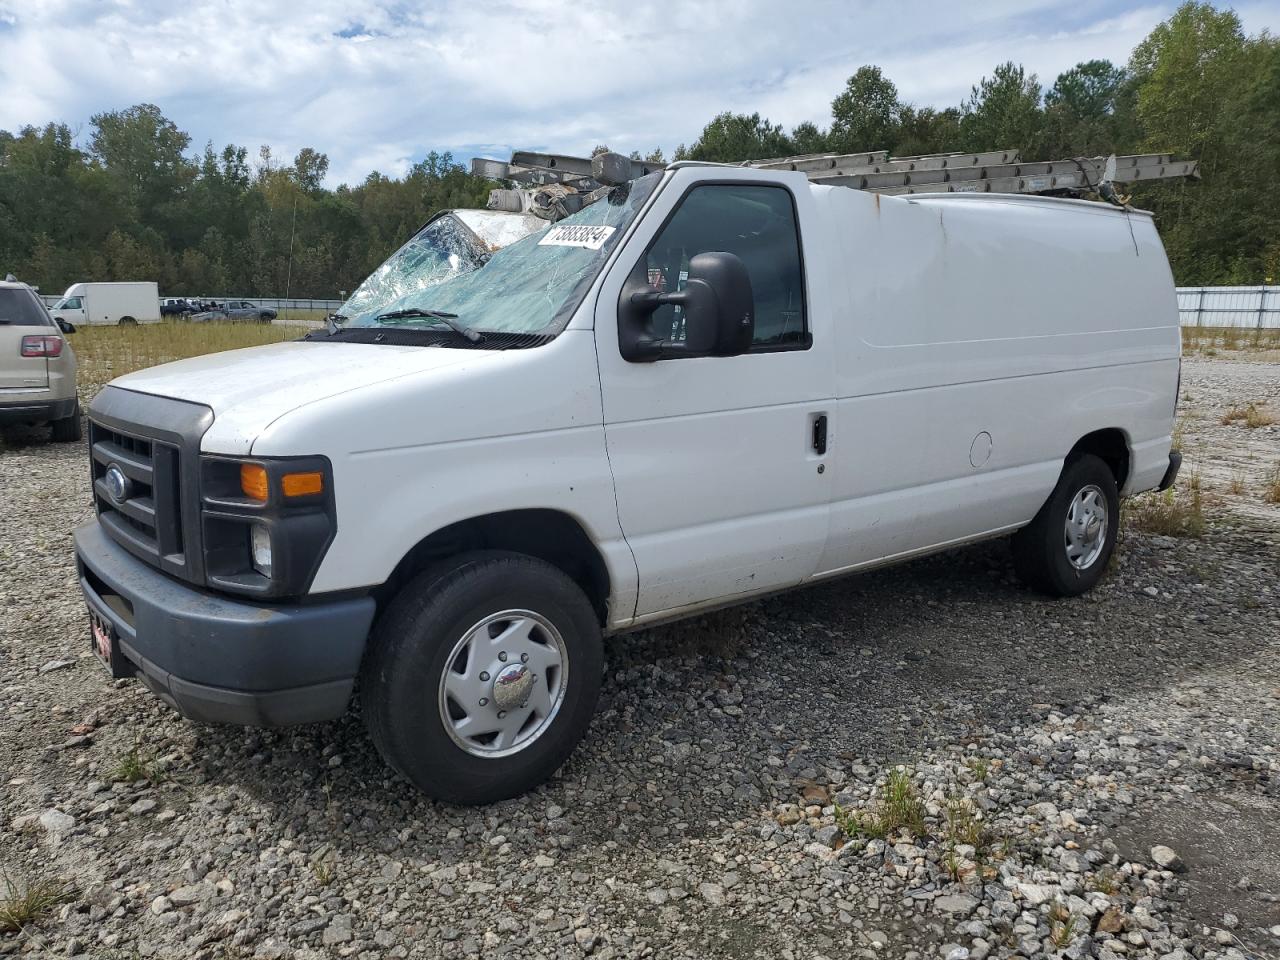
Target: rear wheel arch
1111,446
552,536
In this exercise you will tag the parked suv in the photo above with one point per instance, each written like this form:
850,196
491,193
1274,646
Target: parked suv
37,365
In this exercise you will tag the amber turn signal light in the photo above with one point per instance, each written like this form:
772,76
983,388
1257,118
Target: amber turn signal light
253,481
302,484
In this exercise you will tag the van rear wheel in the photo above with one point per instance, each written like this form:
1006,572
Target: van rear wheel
482,676
128,322
1064,551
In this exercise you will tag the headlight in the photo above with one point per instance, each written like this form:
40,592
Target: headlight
260,545
266,521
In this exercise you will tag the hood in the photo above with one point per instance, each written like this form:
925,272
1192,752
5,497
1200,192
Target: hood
249,389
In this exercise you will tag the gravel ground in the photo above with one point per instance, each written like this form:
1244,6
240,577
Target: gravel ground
1087,778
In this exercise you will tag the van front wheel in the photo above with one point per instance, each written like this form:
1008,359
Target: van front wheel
482,676
1065,550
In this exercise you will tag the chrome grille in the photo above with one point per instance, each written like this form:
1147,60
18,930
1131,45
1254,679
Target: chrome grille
148,518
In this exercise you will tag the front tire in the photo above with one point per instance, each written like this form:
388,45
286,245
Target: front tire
482,676
1065,549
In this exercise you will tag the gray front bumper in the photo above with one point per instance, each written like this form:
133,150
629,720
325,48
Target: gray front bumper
221,660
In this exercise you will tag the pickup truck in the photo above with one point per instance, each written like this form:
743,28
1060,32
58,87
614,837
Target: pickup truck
234,310
711,384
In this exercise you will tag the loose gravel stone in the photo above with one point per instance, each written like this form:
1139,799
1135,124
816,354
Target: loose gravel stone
1166,858
713,810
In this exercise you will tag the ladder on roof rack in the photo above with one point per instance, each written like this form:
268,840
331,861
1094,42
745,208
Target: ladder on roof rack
552,179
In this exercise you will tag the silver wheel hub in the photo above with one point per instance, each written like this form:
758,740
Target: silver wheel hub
511,687
503,683
1086,527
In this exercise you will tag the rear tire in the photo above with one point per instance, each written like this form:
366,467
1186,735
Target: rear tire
459,642
128,322
68,429
1065,549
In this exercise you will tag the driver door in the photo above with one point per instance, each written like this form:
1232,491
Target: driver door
720,463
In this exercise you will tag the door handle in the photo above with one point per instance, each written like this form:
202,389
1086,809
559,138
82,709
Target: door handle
820,434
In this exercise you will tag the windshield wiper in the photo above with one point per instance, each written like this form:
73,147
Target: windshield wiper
450,320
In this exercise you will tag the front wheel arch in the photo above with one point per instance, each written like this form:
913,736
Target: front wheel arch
553,536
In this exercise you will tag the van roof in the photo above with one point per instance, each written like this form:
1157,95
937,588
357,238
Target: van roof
1090,206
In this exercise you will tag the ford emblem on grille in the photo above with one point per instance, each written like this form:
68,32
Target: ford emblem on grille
118,486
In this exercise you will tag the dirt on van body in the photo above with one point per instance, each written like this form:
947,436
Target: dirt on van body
1088,778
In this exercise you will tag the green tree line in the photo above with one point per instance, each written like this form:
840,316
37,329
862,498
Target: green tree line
134,202
1196,87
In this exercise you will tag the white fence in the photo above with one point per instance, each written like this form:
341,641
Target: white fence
1253,308
318,309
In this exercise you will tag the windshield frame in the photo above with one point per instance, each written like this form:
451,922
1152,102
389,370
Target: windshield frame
577,290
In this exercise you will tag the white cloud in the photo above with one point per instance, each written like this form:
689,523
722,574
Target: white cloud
376,85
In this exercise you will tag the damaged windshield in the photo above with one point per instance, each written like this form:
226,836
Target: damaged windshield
531,286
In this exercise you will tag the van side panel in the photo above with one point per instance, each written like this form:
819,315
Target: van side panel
983,338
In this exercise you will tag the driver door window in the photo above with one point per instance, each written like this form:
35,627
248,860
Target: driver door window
758,225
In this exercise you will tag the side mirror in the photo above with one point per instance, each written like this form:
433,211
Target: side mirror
66,326
716,304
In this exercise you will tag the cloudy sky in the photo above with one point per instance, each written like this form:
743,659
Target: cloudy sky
375,85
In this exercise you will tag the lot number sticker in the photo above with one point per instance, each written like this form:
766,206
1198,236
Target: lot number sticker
587,237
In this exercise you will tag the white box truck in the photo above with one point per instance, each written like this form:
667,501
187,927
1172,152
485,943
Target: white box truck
712,383
117,303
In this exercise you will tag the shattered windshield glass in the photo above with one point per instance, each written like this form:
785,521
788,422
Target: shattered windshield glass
442,249
531,286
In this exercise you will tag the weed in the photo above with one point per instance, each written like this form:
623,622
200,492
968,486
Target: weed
963,825
324,871
1253,416
1062,928
135,766
1170,514
953,864
1236,484
980,767
1105,881
1271,492
25,901
899,808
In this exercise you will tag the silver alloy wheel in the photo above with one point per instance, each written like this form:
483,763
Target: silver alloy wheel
503,683
1086,527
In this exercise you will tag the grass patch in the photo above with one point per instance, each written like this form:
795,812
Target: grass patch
980,767
324,869
24,902
104,353
1253,416
963,825
1241,339
899,808
1173,513
136,766
1271,492
1062,926
1236,485
1105,881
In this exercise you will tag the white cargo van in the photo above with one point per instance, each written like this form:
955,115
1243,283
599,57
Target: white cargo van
712,384
97,303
